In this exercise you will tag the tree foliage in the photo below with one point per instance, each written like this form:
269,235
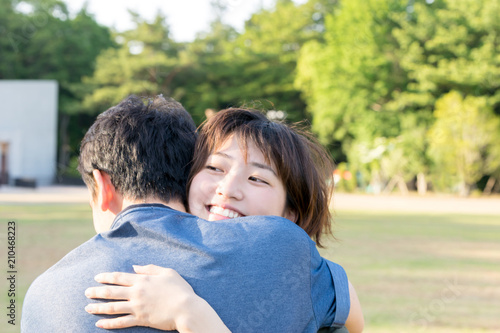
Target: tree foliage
386,84
348,79
144,64
39,40
382,68
462,138
255,67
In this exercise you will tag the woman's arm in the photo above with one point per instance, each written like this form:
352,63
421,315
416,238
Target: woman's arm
156,297
355,322
160,298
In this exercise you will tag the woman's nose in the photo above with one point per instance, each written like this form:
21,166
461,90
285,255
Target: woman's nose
230,187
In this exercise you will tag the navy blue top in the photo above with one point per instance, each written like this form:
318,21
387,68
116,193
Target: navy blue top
260,274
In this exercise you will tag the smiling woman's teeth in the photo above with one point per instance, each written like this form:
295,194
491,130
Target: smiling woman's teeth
224,212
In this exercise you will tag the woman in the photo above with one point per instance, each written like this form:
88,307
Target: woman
244,165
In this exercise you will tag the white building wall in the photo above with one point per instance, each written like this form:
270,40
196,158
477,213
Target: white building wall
28,122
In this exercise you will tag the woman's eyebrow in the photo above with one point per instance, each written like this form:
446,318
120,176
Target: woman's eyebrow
223,155
263,166
255,164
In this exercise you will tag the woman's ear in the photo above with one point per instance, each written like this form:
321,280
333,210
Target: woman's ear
290,214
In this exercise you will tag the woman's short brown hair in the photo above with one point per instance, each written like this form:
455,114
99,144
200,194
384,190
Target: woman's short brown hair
303,165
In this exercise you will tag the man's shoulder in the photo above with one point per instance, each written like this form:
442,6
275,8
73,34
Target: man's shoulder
263,224
63,273
58,295
275,227
267,237
164,221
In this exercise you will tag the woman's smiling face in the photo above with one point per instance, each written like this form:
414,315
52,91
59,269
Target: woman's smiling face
231,186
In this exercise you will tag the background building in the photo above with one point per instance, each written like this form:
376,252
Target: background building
28,131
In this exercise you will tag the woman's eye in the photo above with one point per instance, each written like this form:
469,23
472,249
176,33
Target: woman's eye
258,180
212,168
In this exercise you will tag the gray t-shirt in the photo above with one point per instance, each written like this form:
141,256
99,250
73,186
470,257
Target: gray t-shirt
260,274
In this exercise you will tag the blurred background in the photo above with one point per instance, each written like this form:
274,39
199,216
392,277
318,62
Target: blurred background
403,93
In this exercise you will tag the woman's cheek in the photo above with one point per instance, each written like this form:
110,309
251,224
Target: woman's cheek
198,196
196,207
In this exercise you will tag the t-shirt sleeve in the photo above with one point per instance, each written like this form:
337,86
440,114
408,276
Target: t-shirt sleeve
341,286
329,291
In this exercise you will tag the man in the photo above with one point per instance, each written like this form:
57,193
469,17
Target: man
135,161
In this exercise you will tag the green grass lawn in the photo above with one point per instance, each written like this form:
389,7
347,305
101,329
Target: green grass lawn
413,273
45,233
422,273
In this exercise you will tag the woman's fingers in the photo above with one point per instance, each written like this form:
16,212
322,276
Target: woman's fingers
149,269
120,322
128,279
155,297
108,292
118,278
111,308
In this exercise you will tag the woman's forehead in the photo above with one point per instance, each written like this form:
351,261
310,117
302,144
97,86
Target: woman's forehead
247,145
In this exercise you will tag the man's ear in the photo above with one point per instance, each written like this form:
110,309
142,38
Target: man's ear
106,195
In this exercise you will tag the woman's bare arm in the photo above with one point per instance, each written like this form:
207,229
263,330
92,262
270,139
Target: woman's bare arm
355,322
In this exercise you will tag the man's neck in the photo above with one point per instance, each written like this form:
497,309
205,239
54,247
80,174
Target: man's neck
174,204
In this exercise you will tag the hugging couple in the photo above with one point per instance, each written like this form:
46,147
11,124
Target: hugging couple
212,230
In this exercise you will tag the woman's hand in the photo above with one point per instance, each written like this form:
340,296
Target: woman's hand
155,297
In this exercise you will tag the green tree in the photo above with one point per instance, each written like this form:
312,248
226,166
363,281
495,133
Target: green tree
145,63
462,138
493,169
348,79
446,46
385,63
449,45
269,49
223,68
210,72
39,40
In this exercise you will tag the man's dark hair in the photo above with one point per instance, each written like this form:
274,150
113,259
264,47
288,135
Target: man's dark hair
145,146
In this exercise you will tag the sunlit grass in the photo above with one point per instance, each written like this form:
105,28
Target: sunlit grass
413,273
45,233
422,273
